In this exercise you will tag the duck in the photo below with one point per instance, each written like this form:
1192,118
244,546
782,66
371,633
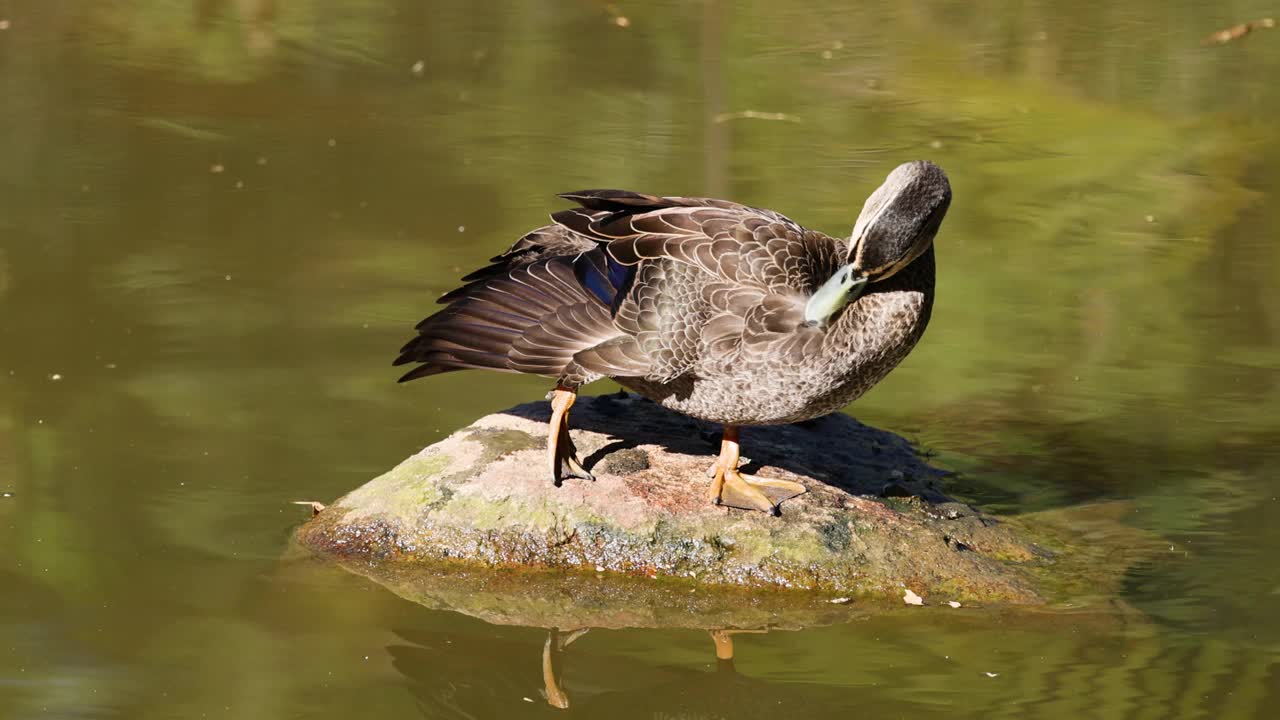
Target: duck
727,313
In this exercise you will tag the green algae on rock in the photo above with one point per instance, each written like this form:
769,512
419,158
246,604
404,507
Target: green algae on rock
873,521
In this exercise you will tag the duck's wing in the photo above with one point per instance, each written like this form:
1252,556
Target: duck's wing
738,243
549,296
716,283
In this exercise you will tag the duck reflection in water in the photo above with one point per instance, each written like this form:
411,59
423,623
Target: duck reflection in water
552,649
480,677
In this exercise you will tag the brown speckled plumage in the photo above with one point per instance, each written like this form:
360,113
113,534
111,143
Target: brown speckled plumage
695,303
868,339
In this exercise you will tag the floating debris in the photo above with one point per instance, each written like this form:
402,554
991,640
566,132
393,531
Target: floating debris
4,24
841,600
991,674
911,598
953,603
756,115
619,19
316,507
418,67
55,377
217,168
1235,32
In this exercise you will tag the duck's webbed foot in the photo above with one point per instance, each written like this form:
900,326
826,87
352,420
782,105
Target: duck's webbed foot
732,488
561,452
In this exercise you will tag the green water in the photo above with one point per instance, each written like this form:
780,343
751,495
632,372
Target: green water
219,220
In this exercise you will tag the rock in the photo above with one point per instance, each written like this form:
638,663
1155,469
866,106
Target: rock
481,500
624,462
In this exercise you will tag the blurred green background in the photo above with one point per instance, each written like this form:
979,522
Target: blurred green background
220,219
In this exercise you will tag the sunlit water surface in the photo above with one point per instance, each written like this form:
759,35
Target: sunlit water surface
218,221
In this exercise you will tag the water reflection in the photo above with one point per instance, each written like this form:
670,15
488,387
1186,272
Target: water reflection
1011,666
254,18
552,652
591,682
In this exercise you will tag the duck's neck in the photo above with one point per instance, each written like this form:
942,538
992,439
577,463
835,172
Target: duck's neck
873,333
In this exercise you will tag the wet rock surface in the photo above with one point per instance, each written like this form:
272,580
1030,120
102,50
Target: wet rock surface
874,519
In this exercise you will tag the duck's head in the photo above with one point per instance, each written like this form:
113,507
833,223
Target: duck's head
899,220
897,224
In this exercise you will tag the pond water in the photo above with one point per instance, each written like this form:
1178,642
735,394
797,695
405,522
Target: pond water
219,220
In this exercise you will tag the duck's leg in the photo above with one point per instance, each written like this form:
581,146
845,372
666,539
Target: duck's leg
561,452
556,643
552,690
724,640
732,488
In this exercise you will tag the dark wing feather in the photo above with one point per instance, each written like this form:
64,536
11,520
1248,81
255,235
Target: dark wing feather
621,357
529,317
545,242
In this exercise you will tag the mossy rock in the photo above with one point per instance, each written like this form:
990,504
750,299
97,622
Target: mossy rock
466,513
